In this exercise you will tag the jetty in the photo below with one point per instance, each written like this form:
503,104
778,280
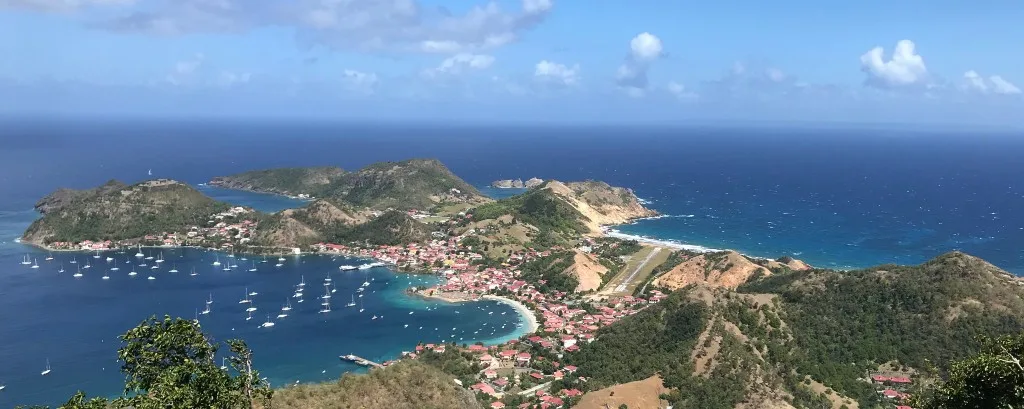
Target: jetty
360,361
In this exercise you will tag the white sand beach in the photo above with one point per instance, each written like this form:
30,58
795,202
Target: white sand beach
526,313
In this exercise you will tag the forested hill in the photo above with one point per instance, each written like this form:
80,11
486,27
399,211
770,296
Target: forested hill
116,211
807,338
410,184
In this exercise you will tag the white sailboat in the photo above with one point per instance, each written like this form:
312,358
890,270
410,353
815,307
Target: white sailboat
269,323
161,258
207,310
49,257
210,301
105,276
251,308
87,265
47,371
25,260
302,281
347,268
139,253
254,293
361,309
151,278
287,305
249,317
245,300
133,273
74,260
253,269
174,269
109,259
216,261
78,273
353,303
193,273
35,263
223,364
61,268
97,255
281,259
115,268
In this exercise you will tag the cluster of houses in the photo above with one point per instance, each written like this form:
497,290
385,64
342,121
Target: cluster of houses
893,388
225,230
522,370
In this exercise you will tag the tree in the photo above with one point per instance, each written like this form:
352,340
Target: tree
171,364
992,379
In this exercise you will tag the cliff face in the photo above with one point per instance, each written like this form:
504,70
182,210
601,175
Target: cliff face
115,211
600,203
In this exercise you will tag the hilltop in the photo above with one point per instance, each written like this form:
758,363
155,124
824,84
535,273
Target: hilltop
116,211
727,269
555,212
807,338
410,184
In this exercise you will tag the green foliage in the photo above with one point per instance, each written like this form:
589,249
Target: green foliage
169,363
453,362
312,181
540,208
991,379
656,340
112,215
391,228
405,385
846,323
551,270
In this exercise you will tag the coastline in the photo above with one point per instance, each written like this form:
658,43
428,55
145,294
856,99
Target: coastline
530,318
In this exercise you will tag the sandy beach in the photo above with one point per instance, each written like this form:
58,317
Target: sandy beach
526,313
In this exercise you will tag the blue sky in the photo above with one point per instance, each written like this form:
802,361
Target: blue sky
566,61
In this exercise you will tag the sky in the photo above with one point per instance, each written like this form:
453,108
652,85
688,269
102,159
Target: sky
563,61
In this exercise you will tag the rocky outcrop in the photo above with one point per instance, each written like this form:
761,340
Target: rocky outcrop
517,183
600,203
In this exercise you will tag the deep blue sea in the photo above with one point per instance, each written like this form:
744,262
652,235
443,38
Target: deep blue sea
836,197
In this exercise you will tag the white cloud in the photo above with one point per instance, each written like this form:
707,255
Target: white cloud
459,64
775,74
358,81
393,25
993,84
679,91
229,79
644,49
60,5
555,73
905,68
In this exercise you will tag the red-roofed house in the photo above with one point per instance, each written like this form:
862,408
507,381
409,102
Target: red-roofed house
536,375
889,393
497,405
879,378
523,359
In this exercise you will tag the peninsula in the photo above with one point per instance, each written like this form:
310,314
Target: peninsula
611,322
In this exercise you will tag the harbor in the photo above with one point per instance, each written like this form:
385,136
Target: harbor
360,361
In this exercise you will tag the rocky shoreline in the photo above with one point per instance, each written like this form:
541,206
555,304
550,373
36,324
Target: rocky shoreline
517,183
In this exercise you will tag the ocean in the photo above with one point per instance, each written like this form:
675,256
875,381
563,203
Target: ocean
841,197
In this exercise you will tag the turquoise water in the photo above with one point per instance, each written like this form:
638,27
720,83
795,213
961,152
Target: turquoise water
74,322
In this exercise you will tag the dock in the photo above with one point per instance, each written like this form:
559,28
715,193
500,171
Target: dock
360,361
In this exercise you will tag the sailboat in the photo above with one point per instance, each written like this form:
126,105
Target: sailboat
25,260
245,300
254,293
97,255
287,305
366,283
35,263
105,276
115,268
253,267
161,258
87,265
216,261
281,259
139,253
149,257
133,273
207,310
193,273
109,259
49,257
333,290
78,273
61,268
210,301
151,278
174,269
361,309
302,281
232,254
269,323
251,308
47,371
74,260
150,172
353,303
249,317
223,365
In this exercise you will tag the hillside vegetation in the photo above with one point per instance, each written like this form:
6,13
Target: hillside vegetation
406,385
119,212
411,184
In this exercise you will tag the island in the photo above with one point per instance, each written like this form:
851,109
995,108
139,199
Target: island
517,183
612,322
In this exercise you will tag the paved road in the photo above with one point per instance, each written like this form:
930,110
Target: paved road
534,389
622,287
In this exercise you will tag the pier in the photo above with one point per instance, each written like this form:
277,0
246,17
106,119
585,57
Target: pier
360,361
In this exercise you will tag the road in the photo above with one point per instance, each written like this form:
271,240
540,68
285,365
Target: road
625,283
534,389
